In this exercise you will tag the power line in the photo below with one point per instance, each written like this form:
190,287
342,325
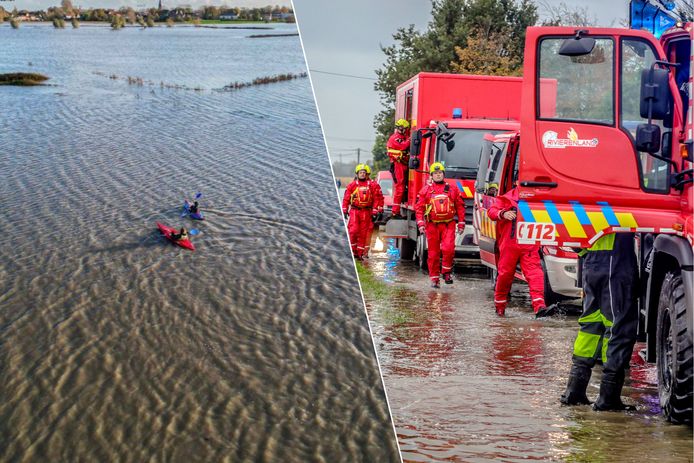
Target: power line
347,150
342,75
349,139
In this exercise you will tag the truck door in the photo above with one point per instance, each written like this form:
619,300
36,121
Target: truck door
581,172
489,177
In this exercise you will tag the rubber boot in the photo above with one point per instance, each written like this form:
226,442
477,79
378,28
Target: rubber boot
575,393
448,278
546,311
500,311
610,394
435,283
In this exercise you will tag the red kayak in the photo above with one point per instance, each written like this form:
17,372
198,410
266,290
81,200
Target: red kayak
167,231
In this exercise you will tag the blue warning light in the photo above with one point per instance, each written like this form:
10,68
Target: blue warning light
644,15
457,113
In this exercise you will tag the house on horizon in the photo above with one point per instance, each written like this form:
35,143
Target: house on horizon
28,16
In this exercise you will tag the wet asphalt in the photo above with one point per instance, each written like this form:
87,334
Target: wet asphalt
465,385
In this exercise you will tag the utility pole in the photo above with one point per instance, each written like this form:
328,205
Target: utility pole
358,155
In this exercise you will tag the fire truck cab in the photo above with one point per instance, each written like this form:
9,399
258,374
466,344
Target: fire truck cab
467,107
615,156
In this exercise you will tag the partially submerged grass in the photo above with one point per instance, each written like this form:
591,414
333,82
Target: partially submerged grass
263,81
265,36
392,303
140,82
371,286
22,78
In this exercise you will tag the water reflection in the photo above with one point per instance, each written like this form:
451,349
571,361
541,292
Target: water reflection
464,385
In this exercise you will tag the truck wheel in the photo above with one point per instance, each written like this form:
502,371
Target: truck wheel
422,253
406,247
674,351
493,274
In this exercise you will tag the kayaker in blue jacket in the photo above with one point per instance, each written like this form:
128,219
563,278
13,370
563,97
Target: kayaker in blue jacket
194,208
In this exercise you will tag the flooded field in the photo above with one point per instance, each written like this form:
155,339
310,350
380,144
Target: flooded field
116,345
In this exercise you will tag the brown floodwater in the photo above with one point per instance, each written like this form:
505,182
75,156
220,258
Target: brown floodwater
117,346
465,385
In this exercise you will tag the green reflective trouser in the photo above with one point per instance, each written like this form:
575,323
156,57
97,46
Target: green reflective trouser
609,320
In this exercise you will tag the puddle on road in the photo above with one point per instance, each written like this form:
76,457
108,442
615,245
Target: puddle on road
465,385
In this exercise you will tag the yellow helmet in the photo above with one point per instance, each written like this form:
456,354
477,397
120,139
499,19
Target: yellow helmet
436,166
402,123
362,167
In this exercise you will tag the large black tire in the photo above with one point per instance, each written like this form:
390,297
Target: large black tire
406,247
674,351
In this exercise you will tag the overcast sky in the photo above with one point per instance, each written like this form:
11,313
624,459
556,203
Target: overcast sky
138,4
345,36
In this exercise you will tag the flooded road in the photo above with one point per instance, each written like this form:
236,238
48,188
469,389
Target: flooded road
465,385
116,345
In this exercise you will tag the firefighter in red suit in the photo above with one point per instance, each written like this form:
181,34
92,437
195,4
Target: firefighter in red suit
437,205
504,212
362,204
398,147
375,218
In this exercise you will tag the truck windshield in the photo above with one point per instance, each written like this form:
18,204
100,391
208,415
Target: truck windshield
637,55
386,186
461,161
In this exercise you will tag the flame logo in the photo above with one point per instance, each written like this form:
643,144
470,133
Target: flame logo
572,135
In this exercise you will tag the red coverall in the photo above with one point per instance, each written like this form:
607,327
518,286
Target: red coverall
362,199
397,146
440,230
510,252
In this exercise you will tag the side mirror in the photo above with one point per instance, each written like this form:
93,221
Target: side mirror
414,162
416,143
577,46
445,135
648,138
655,94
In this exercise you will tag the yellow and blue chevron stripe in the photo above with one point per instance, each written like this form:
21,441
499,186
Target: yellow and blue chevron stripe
574,221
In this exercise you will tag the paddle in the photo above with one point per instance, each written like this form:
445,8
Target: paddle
193,232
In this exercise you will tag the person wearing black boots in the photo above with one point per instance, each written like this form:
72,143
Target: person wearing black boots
608,324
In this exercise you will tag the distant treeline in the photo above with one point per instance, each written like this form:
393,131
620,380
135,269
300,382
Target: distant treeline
178,14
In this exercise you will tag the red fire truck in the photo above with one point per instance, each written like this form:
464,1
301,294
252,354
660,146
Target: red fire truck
615,155
469,107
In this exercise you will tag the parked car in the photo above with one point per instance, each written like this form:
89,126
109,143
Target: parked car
385,180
